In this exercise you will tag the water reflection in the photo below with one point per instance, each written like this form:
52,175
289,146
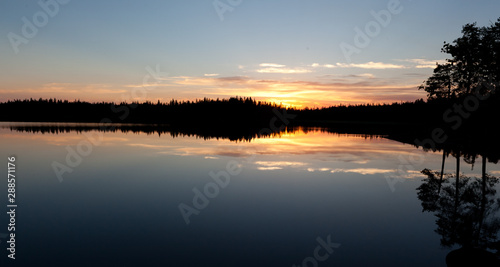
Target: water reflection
233,134
295,185
466,208
300,149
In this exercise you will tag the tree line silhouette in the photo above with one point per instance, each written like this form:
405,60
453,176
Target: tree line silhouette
233,111
245,113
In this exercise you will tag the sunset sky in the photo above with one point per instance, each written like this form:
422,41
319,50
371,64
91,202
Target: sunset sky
288,51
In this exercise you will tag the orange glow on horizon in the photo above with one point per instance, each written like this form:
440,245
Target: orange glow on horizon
298,94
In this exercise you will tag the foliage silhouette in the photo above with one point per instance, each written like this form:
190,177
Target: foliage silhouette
474,64
466,212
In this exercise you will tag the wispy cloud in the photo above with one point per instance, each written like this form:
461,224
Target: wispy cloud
417,63
364,171
352,88
279,68
421,63
362,75
329,66
279,163
410,174
371,65
283,70
309,91
318,169
272,65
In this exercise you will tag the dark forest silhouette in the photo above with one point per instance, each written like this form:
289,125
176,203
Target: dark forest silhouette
407,119
234,111
239,111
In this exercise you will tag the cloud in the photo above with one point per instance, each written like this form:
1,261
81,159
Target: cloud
362,75
283,70
364,171
211,74
409,174
272,65
279,163
318,169
371,65
279,68
332,153
424,63
328,90
418,63
367,65
353,88
317,65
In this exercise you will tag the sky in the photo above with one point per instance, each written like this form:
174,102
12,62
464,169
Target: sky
300,53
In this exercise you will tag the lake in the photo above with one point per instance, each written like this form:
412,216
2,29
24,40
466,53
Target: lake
303,197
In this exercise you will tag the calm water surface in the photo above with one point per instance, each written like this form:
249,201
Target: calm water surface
136,199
